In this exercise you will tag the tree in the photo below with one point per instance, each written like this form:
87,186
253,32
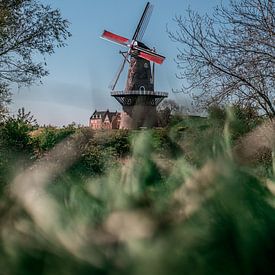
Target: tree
171,104
229,56
15,132
166,109
16,145
27,29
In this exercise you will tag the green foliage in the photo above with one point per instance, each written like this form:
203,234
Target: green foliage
102,153
205,138
119,141
15,132
245,119
160,201
164,145
92,162
28,28
217,113
15,142
51,136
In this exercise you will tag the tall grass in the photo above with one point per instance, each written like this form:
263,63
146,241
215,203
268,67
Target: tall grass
180,202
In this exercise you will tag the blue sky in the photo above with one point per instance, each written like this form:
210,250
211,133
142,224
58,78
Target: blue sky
81,72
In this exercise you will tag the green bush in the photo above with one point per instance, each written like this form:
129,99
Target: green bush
245,119
119,141
50,136
16,144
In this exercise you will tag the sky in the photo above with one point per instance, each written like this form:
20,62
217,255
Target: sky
81,72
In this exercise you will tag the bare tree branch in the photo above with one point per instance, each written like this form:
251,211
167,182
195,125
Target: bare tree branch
229,56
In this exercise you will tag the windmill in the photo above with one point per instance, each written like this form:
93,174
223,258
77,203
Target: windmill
138,99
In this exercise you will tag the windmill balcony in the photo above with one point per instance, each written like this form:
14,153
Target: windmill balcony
139,92
139,97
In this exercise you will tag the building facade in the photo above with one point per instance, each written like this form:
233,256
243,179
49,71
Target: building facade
100,120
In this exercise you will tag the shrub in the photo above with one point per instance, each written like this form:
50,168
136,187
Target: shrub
50,136
16,144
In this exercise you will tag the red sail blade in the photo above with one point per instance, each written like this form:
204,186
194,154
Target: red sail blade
115,38
152,57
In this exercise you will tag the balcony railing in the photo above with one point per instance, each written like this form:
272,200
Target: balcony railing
139,92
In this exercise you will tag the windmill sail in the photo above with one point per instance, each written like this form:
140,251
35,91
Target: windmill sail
115,38
139,64
152,57
149,55
143,22
121,67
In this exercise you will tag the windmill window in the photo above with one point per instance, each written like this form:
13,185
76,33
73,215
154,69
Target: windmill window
142,89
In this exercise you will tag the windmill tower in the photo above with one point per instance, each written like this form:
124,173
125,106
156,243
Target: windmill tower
139,99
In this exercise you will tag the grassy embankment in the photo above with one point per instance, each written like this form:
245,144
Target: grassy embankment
194,198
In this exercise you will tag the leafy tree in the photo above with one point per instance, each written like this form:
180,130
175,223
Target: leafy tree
27,29
15,142
15,132
230,56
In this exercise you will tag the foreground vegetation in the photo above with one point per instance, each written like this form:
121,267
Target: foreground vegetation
192,198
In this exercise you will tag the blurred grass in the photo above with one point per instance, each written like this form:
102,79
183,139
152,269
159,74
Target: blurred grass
161,201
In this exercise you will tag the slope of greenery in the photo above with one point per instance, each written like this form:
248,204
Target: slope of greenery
162,201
